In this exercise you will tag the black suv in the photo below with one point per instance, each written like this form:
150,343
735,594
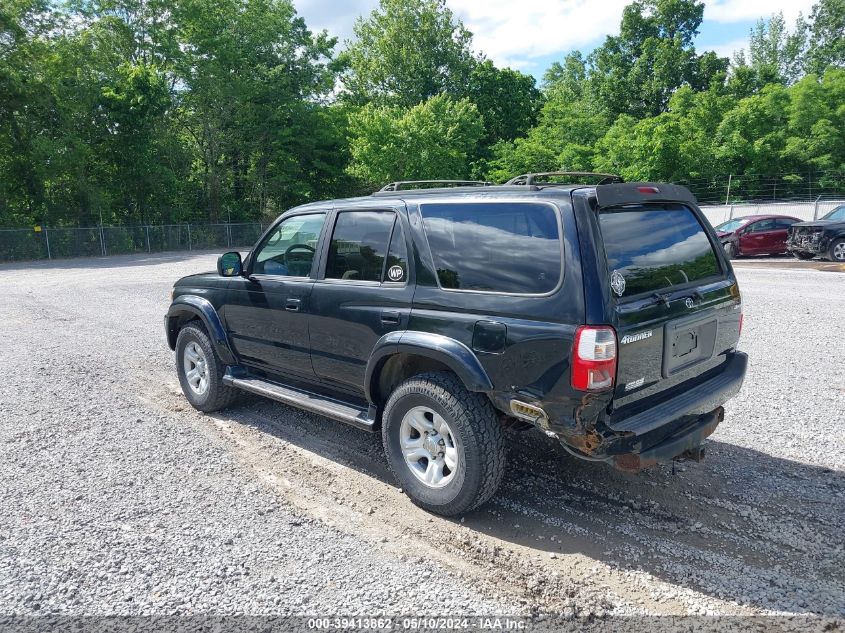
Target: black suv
607,316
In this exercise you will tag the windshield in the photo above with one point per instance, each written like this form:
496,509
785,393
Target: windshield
731,225
837,214
655,247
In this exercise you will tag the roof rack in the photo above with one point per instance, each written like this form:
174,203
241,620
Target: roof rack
528,179
420,184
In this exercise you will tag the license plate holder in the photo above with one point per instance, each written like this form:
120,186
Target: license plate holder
688,342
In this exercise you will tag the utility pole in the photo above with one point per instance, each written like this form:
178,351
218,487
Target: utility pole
728,195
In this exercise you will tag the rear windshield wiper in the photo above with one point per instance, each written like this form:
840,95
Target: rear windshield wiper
666,299
658,299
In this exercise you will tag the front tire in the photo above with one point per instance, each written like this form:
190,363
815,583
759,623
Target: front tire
804,256
443,443
837,251
731,250
201,371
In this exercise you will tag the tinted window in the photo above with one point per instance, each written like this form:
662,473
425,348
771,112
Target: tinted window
762,225
837,214
784,224
289,248
359,245
654,248
501,247
396,269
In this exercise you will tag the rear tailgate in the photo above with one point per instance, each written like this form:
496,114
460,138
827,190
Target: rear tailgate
675,299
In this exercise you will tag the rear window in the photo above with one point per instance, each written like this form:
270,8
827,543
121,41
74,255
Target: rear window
495,247
653,248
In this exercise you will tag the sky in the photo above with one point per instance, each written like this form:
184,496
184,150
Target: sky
530,35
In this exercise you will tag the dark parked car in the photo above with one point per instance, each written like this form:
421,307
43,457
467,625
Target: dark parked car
606,316
755,235
825,237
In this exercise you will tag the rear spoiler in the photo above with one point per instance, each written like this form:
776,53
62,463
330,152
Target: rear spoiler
638,192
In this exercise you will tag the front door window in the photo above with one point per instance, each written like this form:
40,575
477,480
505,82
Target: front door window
289,249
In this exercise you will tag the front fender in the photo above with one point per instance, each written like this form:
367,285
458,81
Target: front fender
191,306
452,353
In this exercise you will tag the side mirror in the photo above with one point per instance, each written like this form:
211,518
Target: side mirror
229,264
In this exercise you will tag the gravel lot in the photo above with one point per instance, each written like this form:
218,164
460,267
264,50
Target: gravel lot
118,498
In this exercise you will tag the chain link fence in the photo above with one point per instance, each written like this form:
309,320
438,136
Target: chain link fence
98,241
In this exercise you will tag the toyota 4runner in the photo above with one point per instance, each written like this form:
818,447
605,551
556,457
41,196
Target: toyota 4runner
607,316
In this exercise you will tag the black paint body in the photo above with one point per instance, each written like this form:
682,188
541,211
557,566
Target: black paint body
355,340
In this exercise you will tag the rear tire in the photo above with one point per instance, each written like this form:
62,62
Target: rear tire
836,253
804,256
443,443
201,371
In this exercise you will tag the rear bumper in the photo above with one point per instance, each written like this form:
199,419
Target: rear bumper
698,400
684,441
677,425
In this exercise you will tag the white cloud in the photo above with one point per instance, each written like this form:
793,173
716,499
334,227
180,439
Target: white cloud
728,11
514,34
509,35
518,34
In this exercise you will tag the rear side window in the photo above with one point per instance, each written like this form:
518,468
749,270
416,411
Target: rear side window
359,245
762,226
653,248
396,268
494,247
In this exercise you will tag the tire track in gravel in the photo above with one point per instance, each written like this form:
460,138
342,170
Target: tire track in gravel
696,543
339,475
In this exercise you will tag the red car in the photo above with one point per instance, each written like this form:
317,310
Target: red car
755,235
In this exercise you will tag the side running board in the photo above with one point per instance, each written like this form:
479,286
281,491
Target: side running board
360,417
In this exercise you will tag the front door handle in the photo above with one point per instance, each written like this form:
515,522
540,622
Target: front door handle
293,305
390,317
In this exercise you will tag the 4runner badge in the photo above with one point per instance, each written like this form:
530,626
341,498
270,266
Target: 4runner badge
395,273
633,338
617,282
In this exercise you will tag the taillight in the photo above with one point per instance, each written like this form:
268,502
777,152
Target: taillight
594,358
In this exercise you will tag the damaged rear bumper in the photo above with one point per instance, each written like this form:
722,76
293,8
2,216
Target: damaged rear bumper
686,443
672,428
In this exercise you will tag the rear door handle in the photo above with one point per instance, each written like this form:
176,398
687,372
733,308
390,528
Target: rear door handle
292,305
390,316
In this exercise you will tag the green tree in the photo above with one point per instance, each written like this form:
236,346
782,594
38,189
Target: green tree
816,125
507,100
407,51
752,135
827,36
564,139
136,141
247,69
432,140
568,77
775,55
637,71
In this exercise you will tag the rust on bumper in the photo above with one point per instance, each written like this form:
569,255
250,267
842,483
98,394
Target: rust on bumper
684,444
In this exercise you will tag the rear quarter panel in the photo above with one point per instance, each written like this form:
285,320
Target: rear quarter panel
533,361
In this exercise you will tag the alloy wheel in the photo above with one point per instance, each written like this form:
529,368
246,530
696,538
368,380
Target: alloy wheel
196,368
428,447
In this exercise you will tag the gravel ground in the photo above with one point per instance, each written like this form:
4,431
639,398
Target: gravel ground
118,498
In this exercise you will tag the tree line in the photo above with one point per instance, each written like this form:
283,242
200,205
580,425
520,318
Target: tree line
158,111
